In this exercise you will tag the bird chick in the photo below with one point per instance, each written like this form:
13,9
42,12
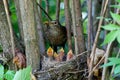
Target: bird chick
57,57
69,55
61,54
50,52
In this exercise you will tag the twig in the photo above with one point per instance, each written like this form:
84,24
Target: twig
98,63
81,53
44,11
10,27
96,40
106,60
74,72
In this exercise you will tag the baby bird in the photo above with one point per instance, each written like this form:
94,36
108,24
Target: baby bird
69,55
50,52
61,54
57,57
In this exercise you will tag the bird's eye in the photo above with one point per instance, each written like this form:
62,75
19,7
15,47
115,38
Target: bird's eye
55,23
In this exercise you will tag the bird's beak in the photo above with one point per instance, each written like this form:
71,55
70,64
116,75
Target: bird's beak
46,23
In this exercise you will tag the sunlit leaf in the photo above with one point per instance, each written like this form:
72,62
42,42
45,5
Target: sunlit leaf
114,60
118,1
1,72
115,6
110,37
23,74
118,37
108,64
111,27
9,75
117,69
116,17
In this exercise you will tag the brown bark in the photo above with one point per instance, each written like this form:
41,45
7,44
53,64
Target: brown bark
5,38
90,26
68,23
30,33
40,31
74,26
79,29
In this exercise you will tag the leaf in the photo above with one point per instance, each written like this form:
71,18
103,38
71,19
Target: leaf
117,69
110,37
1,72
118,1
115,6
114,60
9,75
108,64
100,17
111,27
23,74
116,17
118,37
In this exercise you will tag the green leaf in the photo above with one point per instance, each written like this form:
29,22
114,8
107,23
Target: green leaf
117,69
9,75
108,64
110,37
1,72
115,6
116,17
111,27
23,74
118,1
118,37
114,60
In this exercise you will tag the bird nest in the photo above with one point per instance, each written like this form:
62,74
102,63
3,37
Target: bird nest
52,70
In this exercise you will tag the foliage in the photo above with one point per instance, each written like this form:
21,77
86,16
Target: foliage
114,34
9,75
113,28
113,61
23,74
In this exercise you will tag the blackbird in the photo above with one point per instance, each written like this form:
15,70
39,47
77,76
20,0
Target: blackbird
55,33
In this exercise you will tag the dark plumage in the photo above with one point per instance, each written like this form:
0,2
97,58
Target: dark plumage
55,33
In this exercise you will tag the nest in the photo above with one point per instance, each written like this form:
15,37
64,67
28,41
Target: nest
67,70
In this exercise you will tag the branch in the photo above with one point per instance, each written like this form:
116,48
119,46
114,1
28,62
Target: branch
96,40
106,60
44,11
